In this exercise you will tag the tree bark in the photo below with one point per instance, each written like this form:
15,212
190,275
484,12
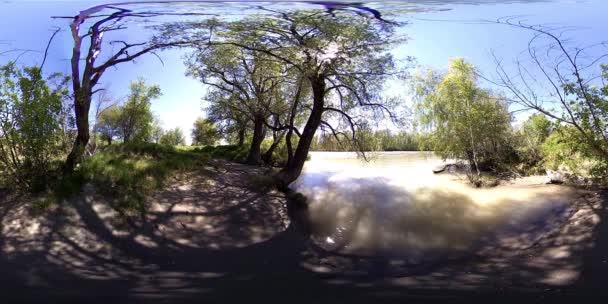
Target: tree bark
241,137
292,170
82,103
255,155
289,147
267,157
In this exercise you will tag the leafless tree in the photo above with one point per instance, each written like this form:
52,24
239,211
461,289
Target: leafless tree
86,78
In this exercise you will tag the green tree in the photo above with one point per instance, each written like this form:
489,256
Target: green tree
465,121
108,123
156,131
174,137
342,57
532,135
244,84
30,125
136,116
204,132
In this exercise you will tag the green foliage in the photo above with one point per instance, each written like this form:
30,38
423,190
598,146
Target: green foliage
156,131
567,150
589,107
173,137
133,121
465,121
136,117
279,155
108,123
342,60
129,172
529,140
228,152
579,144
204,132
31,133
380,140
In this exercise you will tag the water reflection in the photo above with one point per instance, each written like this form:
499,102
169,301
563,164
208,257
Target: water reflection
395,205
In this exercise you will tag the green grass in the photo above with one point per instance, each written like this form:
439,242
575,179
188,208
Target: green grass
130,172
230,152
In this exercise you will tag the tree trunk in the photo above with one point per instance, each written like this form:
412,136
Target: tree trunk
241,137
267,157
289,148
81,108
292,170
473,162
292,117
255,155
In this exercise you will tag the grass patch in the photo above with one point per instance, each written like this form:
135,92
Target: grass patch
130,172
230,152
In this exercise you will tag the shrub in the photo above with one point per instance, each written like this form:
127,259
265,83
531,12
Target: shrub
31,120
529,140
565,150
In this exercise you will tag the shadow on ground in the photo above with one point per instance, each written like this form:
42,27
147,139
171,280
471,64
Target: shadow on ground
211,238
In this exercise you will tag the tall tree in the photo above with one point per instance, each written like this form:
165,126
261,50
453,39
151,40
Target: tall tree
244,81
465,121
86,71
136,116
231,122
342,57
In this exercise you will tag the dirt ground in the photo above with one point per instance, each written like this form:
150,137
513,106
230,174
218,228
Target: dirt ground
210,237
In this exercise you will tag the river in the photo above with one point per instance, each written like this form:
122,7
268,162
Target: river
394,204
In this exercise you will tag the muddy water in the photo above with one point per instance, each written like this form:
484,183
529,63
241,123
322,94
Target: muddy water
394,204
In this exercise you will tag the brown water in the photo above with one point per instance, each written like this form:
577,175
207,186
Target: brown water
394,204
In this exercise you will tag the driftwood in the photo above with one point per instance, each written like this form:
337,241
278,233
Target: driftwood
442,168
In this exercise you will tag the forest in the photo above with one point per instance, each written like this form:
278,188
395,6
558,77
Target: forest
282,85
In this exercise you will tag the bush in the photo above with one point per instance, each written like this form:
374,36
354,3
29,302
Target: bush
566,151
31,121
528,141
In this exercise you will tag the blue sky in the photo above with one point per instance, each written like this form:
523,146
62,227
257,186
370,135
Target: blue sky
434,39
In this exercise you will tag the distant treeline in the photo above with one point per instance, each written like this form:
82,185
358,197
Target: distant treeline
380,140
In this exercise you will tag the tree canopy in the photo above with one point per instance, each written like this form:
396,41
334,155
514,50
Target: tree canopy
342,58
136,116
204,133
173,137
464,120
